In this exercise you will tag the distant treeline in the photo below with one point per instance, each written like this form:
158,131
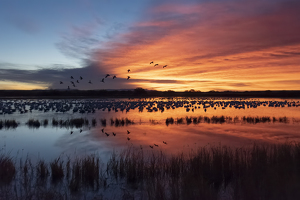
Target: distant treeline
142,93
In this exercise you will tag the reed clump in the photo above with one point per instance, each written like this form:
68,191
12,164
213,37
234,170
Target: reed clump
103,122
57,170
7,169
121,122
7,124
32,123
70,123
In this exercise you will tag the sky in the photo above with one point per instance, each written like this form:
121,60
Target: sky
236,45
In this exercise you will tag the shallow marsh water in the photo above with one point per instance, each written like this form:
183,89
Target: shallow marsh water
149,127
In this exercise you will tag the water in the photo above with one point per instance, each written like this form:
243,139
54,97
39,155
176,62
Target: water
281,124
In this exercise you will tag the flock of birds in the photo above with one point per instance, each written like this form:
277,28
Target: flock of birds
82,106
103,79
128,138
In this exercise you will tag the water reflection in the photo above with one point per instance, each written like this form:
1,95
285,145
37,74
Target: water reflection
50,128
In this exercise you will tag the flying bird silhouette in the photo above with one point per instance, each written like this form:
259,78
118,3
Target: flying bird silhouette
80,78
155,65
114,77
61,82
165,66
72,77
102,80
151,62
90,82
77,81
107,75
128,77
128,70
128,131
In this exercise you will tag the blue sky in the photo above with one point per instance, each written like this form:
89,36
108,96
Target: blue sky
206,45
32,30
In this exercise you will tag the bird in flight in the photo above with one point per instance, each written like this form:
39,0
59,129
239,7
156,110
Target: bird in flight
128,77
114,134
128,138
90,82
72,77
72,82
114,77
128,131
77,81
61,82
155,65
151,62
80,78
102,80
165,66
107,75
128,70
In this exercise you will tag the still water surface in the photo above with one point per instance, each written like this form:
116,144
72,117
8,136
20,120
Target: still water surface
149,127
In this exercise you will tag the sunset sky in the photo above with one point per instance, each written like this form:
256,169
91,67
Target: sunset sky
206,44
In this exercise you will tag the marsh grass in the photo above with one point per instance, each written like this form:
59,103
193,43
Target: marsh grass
57,170
7,169
70,123
120,122
33,123
7,124
262,171
225,119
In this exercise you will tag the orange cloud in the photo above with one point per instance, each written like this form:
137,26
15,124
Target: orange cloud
210,46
